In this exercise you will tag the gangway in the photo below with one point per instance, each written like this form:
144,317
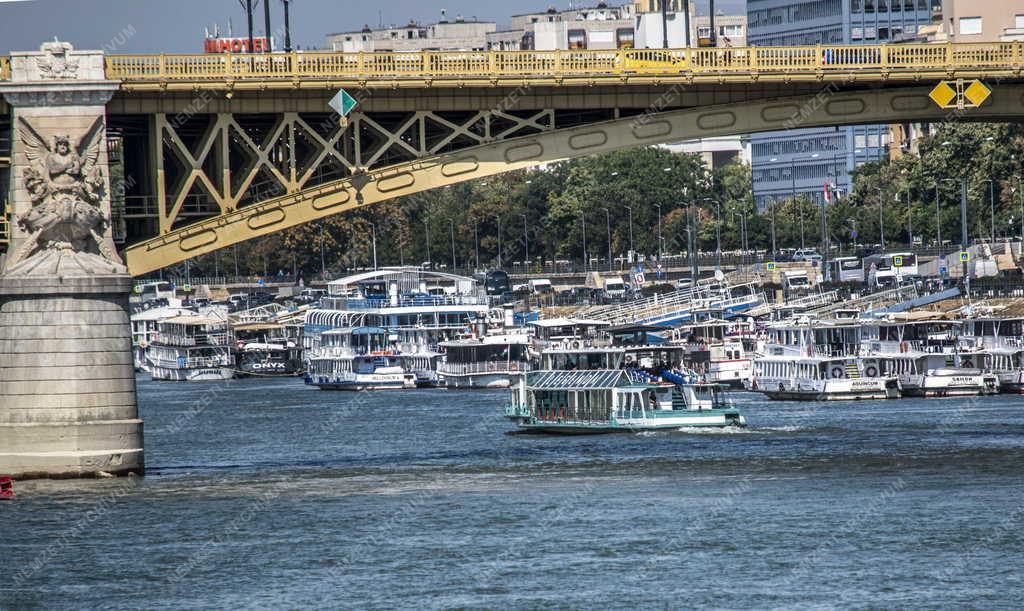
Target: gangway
870,301
669,309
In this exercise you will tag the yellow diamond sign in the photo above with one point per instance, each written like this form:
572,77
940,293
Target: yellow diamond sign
976,93
943,94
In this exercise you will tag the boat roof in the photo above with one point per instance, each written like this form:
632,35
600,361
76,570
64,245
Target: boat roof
575,380
161,313
623,329
569,322
258,326
196,321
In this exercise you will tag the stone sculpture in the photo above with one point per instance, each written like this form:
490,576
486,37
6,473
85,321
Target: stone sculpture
67,222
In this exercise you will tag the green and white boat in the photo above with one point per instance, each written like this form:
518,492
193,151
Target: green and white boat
586,402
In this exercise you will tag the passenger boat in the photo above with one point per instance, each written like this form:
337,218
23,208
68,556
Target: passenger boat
144,328
6,488
263,349
410,311
584,402
488,362
1001,340
722,350
357,359
816,378
190,348
817,360
422,366
931,358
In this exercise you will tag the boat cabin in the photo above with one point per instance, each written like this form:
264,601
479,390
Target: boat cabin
602,396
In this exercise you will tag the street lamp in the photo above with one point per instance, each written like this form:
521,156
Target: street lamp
1020,192
287,28
963,227
499,241
451,227
631,250
881,221
992,208
476,243
608,226
792,178
426,221
583,217
658,206
373,232
526,242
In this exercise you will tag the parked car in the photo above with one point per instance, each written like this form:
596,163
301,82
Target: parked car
807,254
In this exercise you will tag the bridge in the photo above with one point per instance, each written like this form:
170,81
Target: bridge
173,156
223,148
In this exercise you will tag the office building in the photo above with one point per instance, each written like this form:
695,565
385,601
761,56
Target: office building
803,161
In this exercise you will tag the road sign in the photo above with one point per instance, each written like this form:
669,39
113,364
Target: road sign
965,257
976,93
262,282
897,261
943,94
960,94
187,288
770,266
343,103
639,279
943,271
853,234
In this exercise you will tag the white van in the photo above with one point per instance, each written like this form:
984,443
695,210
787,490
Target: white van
541,286
615,288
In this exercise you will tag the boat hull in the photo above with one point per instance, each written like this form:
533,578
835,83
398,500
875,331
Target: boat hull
831,390
477,380
938,386
361,382
203,374
1011,382
697,419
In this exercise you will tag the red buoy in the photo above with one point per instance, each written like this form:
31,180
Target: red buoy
6,488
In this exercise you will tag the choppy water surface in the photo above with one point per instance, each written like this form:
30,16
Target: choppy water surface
269,494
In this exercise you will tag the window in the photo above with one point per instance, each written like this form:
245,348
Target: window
970,25
736,30
1019,22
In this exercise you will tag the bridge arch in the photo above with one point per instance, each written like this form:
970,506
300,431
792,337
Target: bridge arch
825,108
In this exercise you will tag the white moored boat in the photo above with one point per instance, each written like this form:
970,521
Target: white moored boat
930,357
356,358
817,361
489,362
190,348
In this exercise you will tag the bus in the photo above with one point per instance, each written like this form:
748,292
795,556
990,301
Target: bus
891,268
848,269
497,283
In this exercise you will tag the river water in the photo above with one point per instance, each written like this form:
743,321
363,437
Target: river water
268,494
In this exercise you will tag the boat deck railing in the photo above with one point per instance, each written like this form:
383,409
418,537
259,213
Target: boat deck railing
486,367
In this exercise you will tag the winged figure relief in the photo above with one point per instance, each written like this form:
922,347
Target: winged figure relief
66,187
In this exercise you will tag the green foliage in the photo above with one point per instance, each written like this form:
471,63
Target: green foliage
599,192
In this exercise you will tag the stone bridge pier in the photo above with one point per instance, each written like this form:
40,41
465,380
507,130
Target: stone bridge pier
67,382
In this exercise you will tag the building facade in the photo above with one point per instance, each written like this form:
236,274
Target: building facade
981,21
804,161
458,35
601,26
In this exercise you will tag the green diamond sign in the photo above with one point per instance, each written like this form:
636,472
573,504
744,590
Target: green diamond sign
343,103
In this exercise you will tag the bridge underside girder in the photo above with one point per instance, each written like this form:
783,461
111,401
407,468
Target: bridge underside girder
389,153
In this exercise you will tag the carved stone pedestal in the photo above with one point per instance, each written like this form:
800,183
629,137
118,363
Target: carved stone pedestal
67,384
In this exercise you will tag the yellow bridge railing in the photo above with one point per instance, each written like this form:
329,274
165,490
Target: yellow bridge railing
5,68
821,61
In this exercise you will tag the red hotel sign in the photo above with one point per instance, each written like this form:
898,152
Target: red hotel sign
234,45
